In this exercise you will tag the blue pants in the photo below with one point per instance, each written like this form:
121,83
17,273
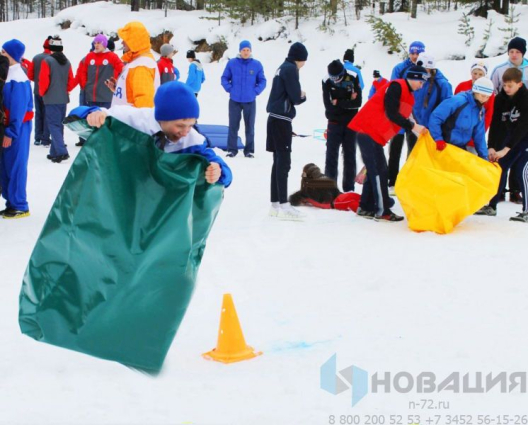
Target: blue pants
235,111
340,135
55,114
42,133
517,160
375,195
13,170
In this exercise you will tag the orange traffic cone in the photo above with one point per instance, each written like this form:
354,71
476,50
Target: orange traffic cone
231,346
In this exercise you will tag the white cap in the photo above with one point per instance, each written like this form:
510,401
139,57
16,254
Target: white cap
428,61
483,86
480,65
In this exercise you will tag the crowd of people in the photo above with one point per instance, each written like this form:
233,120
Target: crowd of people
418,98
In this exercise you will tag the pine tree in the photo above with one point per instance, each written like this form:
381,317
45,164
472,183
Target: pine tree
511,30
486,37
386,34
465,28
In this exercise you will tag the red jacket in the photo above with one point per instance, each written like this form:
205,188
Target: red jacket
44,79
31,67
372,120
94,70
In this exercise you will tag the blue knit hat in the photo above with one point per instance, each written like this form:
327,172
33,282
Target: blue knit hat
298,52
15,49
244,44
416,47
175,101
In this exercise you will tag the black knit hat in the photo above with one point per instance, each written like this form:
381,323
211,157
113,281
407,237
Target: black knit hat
519,44
191,54
55,44
349,55
111,45
417,72
336,69
298,52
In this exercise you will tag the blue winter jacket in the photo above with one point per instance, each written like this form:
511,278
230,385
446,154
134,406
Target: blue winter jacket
469,124
243,79
18,102
440,91
401,69
350,66
196,76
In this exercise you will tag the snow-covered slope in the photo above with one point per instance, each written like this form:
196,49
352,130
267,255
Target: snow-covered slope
381,297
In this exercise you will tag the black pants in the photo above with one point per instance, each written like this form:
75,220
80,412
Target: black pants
375,195
340,135
279,141
395,150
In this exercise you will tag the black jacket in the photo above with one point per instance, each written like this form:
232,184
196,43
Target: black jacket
509,124
285,91
346,107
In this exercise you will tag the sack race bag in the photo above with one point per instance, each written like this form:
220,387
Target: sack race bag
115,266
439,189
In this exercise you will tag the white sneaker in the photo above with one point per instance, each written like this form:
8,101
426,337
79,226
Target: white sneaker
392,191
274,209
287,212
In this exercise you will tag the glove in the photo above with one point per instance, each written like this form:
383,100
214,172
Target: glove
376,74
440,145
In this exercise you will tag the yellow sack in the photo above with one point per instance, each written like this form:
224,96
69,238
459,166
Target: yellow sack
439,189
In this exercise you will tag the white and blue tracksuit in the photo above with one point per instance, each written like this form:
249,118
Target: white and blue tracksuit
18,108
142,119
468,125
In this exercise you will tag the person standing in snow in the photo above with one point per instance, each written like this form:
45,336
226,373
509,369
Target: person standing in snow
460,119
285,94
378,82
516,52
140,78
342,99
42,135
168,72
196,75
348,61
17,106
396,144
508,138
243,78
434,91
56,81
382,117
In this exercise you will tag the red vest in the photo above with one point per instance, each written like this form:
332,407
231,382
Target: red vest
371,119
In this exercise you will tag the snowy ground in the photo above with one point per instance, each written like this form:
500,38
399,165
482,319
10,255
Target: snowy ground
380,296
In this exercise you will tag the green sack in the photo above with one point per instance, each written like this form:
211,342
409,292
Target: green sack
115,266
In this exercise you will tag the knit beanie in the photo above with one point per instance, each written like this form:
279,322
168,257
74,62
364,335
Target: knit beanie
175,101
191,54
46,43
298,52
483,86
481,66
166,49
417,72
336,69
417,47
15,49
55,44
349,55
244,44
101,38
519,44
111,45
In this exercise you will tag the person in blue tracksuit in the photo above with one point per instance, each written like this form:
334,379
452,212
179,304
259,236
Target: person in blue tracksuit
348,62
18,110
244,80
460,118
196,76
435,90
396,144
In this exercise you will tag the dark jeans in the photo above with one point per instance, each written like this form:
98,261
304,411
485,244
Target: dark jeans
249,111
279,176
340,135
517,160
375,195
395,150
42,133
55,114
